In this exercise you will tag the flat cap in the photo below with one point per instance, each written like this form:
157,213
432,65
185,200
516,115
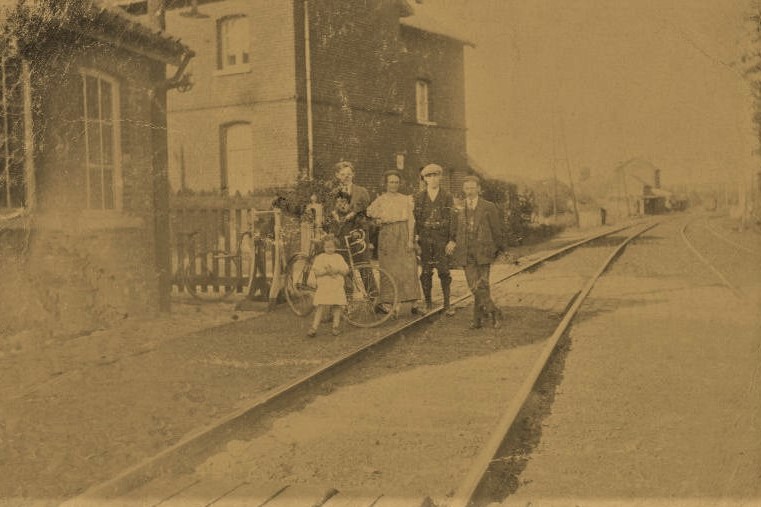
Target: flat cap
431,169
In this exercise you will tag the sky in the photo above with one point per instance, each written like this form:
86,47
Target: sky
606,81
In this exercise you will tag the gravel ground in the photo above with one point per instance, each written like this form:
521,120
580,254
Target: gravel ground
406,422
659,400
75,412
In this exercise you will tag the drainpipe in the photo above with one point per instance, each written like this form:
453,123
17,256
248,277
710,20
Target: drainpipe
308,69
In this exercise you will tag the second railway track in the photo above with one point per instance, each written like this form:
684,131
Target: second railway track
445,381
721,255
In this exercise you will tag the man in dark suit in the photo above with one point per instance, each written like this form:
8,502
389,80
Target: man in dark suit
479,240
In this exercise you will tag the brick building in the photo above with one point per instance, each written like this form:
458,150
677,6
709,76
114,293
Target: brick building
83,182
288,88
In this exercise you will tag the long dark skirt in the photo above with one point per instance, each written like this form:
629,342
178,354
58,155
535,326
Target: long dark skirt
394,257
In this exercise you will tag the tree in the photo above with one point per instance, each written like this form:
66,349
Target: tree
516,208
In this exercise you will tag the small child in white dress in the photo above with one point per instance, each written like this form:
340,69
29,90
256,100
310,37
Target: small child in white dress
330,269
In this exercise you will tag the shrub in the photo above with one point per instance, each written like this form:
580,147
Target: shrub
516,207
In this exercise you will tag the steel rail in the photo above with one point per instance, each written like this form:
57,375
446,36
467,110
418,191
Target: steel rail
727,240
196,442
683,232
464,494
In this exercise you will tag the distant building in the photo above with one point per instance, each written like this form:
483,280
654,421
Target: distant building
83,183
636,189
284,89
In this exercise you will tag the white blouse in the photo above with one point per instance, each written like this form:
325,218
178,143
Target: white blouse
390,208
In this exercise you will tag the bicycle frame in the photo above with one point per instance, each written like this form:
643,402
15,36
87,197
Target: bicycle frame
358,282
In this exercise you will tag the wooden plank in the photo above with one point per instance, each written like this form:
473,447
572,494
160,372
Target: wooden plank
300,496
399,501
352,499
250,495
158,490
203,492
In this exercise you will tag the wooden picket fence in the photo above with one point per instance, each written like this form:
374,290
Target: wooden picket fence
202,225
253,269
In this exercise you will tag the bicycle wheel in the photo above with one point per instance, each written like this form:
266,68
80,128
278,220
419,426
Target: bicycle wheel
213,276
300,285
373,298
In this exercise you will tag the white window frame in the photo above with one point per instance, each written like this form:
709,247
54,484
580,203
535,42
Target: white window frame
423,102
225,129
242,53
115,143
22,137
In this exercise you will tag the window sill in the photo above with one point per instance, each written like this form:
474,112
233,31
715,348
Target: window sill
434,125
236,69
422,123
87,221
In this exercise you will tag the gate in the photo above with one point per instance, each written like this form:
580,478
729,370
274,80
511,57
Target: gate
243,248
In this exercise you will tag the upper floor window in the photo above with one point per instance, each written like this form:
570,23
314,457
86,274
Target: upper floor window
101,136
233,42
237,159
422,101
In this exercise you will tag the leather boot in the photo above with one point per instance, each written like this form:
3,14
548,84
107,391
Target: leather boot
476,322
426,285
446,290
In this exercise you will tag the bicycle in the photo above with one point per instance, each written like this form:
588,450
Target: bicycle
214,275
371,295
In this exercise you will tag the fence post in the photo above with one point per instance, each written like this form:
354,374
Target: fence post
250,213
279,263
311,223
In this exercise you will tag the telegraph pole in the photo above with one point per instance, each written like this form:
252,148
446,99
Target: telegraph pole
554,179
570,176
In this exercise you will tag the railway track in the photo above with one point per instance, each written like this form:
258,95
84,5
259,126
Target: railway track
729,241
710,259
143,484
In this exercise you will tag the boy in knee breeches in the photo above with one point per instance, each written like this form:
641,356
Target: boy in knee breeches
435,230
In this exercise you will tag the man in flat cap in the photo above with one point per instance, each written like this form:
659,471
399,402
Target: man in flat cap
436,234
479,240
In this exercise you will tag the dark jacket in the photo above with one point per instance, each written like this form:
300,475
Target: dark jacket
435,218
487,235
354,230
360,198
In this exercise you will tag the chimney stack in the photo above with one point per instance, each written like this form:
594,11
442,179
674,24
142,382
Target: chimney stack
657,178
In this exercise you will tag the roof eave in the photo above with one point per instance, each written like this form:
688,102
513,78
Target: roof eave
168,56
117,28
405,8
461,40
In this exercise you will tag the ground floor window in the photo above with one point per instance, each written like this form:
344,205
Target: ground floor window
101,135
12,177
